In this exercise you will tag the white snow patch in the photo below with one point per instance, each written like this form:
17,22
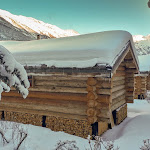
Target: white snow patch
79,51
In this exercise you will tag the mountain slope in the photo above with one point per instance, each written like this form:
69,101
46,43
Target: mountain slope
13,27
142,44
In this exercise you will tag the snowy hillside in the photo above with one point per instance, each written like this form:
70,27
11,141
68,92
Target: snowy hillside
142,44
13,27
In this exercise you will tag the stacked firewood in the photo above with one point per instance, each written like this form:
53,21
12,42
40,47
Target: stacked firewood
75,127
25,118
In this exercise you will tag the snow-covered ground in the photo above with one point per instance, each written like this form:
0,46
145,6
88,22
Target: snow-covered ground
129,135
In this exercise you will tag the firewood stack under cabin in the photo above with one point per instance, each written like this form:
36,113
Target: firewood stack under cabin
83,87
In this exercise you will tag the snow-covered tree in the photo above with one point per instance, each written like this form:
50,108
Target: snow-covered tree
12,73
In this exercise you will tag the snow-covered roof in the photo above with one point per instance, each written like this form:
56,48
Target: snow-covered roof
144,63
78,51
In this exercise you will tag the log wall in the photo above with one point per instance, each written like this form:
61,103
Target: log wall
148,82
140,86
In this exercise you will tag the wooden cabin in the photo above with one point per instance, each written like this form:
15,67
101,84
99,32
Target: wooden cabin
82,86
140,86
142,80
148,81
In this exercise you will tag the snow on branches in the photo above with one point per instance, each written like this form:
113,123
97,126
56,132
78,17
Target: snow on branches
12,73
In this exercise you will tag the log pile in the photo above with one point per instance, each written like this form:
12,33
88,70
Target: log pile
140,86
75,127
121,113
25,118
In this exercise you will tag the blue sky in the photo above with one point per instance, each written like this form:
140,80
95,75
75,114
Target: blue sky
86,16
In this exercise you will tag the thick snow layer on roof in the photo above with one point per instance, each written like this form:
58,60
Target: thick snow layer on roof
144,62
78,51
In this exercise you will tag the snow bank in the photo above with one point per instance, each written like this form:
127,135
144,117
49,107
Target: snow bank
134,129
79,51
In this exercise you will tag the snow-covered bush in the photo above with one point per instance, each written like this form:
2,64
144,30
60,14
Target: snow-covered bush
12,135
100,144
12,73
146,145
66,145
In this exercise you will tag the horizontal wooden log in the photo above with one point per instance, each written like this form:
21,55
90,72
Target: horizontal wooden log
104,99
103,91
130,84
120,82
119,73
59,78
118,99
104,84
76,109
118,88
118,93
43,113
121,68
118,78
129,98
103,105
129,93
117,105
61,83
129,75
131,70
48,95
59,89
40,102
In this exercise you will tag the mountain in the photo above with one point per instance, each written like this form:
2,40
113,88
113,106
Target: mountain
142,44
20,28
